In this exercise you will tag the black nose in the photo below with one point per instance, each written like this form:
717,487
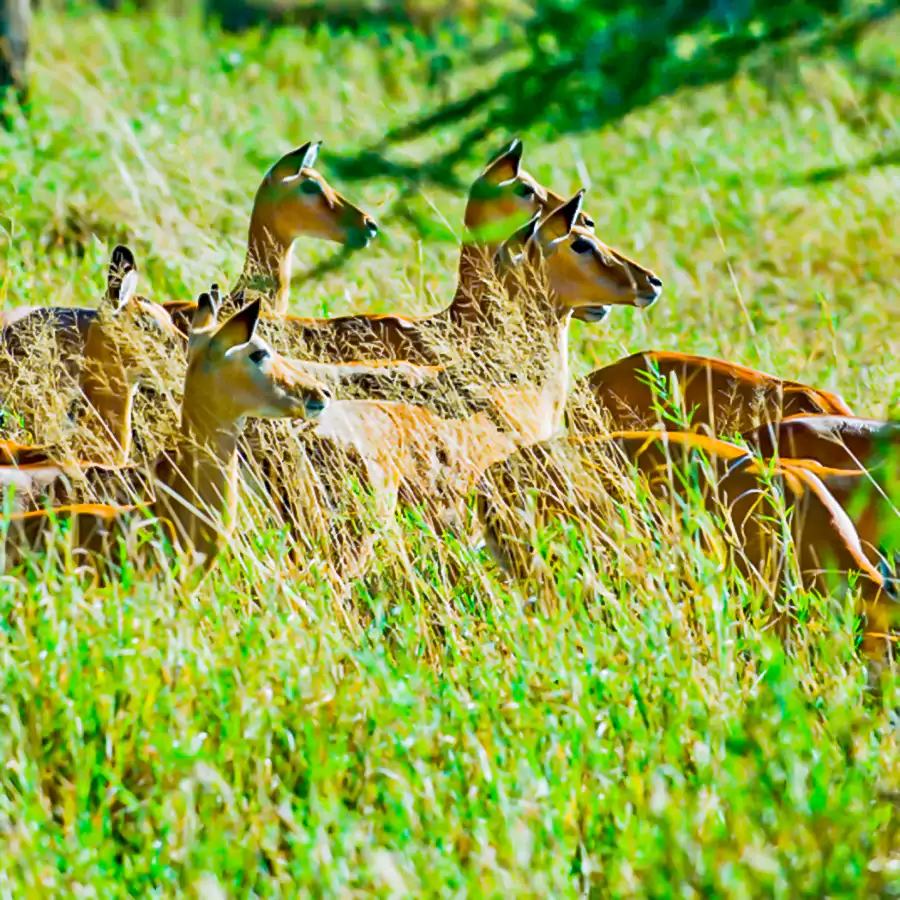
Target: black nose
371,226
315,405
653,281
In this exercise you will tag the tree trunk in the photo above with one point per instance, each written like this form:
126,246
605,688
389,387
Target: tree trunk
15,18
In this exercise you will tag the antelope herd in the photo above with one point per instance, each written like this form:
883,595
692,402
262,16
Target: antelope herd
368,415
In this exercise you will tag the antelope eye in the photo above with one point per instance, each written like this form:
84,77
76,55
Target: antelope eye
580,245
259,356
587,221
310,186
524,190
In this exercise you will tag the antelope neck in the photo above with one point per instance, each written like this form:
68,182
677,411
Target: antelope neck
268,265
105,385
200,483
467,310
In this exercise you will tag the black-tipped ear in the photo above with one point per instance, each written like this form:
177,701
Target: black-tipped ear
122,260
561,221
128,288
506,165
120,264
237,330
205,313
515,150
310,155
890,575
290,164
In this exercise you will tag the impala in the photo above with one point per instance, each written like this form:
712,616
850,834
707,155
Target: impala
232,375
109,363
434,461
293,200
680,390
568,479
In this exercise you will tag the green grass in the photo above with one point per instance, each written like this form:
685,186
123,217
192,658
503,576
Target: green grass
440,738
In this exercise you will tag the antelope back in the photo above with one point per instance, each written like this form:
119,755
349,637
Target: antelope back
839,442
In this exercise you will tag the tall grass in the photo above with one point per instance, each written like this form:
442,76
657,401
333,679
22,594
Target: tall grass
437,734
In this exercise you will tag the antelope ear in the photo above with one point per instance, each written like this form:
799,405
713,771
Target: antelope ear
238,330
120,264
890,575
290,164
310,154
128,289
204,314
559,224
506,165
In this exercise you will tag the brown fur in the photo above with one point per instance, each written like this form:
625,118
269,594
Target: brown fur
569,477
836,441
723,396
196,482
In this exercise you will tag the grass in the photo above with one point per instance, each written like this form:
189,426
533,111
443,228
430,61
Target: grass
252,736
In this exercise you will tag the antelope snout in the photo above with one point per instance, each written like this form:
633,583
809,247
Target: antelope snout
315,403
650,293
360,236
593,314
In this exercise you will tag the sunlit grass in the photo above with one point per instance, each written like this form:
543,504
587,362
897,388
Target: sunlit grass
435,734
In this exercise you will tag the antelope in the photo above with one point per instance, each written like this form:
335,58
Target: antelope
115,362
232,375
502,194
435,461
109,364
293,200
637,392
568,478
70,325
836,441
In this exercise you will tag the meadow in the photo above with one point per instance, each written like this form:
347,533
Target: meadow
647,738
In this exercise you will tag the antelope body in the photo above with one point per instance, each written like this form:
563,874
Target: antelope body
231,375
835,441
637,392
569,478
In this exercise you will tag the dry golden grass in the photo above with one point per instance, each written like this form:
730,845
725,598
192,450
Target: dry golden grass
435,734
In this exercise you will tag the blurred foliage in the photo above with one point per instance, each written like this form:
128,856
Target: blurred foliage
587,63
